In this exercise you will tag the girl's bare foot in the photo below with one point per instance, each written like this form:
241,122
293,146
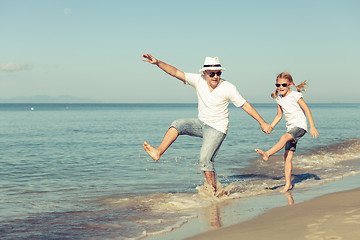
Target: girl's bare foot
286,188
264,155
153,152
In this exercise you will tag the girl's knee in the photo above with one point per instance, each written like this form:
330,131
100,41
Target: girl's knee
288,154
287,137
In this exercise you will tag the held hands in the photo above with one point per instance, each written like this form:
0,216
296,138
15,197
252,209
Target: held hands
150,59
266,128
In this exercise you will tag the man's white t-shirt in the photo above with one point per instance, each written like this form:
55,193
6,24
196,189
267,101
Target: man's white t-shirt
294,115
213,106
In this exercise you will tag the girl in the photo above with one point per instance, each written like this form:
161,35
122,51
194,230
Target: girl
294,107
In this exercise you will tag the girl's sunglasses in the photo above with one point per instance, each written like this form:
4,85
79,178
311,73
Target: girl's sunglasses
212,74
284,84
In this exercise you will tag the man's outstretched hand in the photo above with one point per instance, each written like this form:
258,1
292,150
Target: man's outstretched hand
150,59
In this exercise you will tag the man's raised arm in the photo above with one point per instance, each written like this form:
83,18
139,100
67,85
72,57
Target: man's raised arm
173,71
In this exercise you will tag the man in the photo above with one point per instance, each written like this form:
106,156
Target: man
212,123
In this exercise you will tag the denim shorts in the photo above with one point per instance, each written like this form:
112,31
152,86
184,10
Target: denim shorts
296,133
212,139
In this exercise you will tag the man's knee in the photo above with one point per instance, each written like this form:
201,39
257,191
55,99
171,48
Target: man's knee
176,123
206,165
173,130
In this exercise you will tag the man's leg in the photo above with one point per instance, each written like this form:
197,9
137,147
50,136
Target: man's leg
168,139
212,140
191,127
210,178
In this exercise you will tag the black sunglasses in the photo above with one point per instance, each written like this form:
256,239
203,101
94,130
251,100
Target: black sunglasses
212,74
284,84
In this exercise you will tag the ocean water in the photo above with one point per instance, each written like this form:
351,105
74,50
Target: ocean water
78,171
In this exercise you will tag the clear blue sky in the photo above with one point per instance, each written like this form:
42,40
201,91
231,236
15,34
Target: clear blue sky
92,49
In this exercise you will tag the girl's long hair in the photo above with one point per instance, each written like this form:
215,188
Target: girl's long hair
284,75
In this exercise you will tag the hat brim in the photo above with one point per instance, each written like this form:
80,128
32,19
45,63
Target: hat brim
212,68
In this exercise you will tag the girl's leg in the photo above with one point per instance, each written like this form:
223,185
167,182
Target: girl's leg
277,147
288,170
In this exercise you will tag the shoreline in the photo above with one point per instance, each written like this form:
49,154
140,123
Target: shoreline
228,216
332,216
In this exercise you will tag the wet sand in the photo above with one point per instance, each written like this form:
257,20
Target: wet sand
332,216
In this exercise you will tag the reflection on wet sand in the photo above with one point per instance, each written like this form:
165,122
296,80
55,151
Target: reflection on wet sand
214,216
289,197
213,212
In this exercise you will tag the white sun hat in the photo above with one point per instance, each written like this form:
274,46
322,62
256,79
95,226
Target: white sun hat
211,63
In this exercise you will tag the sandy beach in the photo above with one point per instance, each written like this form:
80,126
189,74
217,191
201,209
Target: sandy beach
332,216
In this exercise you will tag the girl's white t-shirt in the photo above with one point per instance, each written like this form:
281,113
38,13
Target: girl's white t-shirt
213,107
294,115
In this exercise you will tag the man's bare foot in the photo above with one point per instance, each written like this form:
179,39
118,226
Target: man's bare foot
153,152
286,188
264,155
